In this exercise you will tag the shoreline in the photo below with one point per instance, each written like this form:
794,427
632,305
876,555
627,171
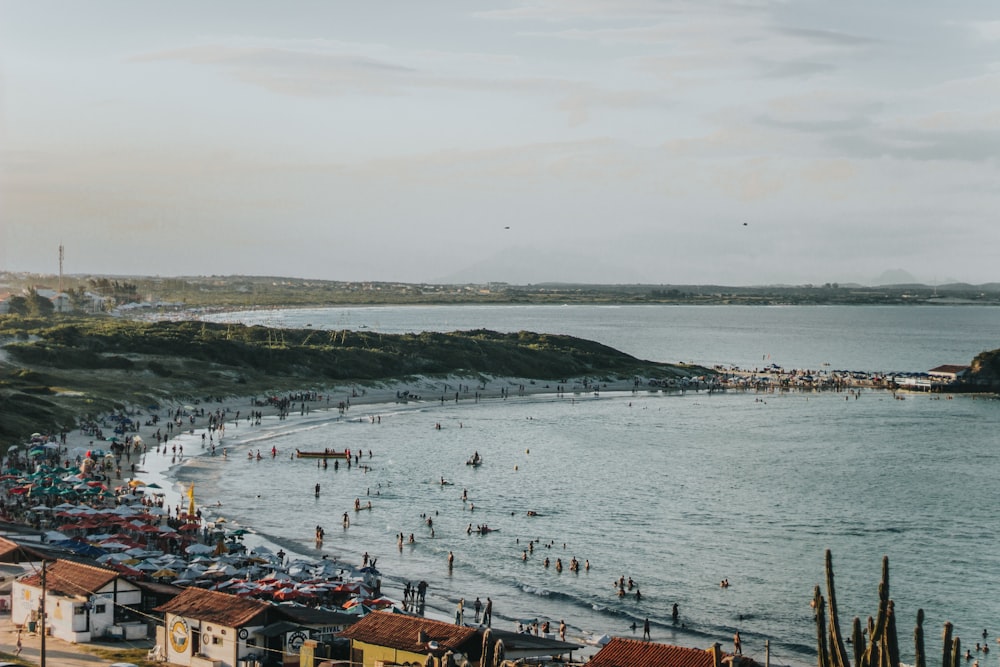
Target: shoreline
162,470
165,470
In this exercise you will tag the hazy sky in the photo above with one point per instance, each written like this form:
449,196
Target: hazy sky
693,141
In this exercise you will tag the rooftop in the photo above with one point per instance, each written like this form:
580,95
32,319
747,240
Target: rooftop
215,607
400,632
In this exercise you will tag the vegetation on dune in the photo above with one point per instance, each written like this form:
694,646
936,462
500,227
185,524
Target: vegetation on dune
59,368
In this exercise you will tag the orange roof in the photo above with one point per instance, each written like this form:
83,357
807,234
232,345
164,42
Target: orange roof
69,578
12,552
400,632
215,607
633,653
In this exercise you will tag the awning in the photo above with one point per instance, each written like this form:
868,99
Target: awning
281,627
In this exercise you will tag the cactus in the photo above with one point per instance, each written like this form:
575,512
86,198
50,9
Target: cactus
486,658
858,642
838,654
891,640
919,660
946,641
823,659
882,649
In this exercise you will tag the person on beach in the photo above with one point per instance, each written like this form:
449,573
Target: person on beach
562,630
460,612
488,613
737,644
18,645
645,629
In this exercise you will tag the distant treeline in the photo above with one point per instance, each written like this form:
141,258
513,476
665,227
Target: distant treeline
90,293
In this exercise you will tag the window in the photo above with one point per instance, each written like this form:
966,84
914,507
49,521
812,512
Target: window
216,639
79,611
100,608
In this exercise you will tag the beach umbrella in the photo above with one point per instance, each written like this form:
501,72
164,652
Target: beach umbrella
165,573
199,549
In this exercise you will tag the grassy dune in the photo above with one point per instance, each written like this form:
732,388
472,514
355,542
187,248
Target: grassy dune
55,370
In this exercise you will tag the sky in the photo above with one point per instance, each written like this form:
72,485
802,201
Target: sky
734,142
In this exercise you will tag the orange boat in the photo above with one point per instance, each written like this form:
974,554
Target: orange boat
325,454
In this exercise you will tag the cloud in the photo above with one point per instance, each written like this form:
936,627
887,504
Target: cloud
294,72
285,71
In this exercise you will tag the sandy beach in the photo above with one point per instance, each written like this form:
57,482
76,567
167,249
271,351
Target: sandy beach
192,422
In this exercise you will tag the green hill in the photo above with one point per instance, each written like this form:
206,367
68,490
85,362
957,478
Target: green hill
55,370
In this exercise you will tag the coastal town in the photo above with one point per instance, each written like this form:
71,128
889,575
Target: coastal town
99,550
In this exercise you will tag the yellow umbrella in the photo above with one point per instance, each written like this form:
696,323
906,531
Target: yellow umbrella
165,573
136,482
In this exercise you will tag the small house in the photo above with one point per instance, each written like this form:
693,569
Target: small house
385,638
81,602
620,652
206,628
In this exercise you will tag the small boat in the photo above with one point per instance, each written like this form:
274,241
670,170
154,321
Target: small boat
325,454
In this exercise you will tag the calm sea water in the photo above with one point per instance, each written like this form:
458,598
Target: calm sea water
676,491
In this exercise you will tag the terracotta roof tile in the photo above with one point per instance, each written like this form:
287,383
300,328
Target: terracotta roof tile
632,653
72,579
12,552
399,631
215,607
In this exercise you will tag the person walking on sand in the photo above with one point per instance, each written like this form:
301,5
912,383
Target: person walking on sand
645,629
488,612
737,644
18,645
478,607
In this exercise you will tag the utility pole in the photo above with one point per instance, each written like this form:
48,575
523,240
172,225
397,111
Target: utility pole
42,609
60,268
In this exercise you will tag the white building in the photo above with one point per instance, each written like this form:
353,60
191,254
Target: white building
211,629
82,602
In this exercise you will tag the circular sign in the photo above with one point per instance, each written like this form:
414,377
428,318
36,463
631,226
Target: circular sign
179,635
244,633
295,640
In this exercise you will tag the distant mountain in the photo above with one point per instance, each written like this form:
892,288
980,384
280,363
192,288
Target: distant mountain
895,277
528,266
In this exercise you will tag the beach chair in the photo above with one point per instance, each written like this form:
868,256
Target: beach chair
156,654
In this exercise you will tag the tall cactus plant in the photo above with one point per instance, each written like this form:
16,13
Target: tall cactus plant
838,654
823,658
882,646
919,659
946,643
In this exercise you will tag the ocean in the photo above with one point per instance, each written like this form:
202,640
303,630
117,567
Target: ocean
675,490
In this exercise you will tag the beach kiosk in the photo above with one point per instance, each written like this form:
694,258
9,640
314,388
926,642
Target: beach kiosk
206,628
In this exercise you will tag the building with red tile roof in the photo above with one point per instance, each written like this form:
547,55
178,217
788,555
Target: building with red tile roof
620,652
398,639
209,625
81,601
